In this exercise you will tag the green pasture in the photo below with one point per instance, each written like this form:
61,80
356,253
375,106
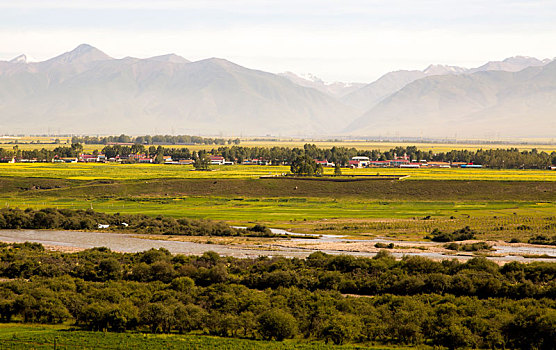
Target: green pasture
82,171
284,209
405,219
18,336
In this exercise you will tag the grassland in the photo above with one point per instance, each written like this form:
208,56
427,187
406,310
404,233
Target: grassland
494,202
383,208
17,336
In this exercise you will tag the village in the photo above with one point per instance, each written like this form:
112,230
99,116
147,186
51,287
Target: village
356,162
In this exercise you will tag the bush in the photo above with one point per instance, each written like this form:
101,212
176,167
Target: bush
462,234
277,324
472,247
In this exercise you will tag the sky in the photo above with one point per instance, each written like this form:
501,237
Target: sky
337,40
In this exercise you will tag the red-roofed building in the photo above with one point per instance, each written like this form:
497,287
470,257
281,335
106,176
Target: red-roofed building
217,160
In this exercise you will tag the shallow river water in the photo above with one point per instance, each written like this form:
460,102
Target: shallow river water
131,243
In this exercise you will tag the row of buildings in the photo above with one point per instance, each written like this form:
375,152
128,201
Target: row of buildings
405,162
355,162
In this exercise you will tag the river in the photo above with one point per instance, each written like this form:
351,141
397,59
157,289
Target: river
131,243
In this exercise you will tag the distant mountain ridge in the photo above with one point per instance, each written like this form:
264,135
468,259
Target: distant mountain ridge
481,104
369,95
87,91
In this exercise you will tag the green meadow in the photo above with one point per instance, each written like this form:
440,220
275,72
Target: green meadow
18,336
404,209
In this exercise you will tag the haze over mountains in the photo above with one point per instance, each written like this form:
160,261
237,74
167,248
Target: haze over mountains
87,91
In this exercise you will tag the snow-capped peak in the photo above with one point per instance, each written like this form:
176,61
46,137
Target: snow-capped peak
19,59
310,77
439,69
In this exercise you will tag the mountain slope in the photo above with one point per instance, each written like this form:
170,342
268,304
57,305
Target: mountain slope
483,104
86,91
511,64
369,95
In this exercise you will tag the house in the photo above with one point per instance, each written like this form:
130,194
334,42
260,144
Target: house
410,165
380,163
145,160
64,160
186,161
228,162
362,161
88,158
438,164
324,163
217,160
7,160
471,165
396,163
137,156
259,162
355,164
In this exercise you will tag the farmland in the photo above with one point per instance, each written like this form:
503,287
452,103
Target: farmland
83,171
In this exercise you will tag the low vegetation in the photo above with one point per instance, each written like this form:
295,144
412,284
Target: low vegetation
469,247
544,240
476,304
462,234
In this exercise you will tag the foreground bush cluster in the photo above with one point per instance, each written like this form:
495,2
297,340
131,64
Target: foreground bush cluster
67,219
412,301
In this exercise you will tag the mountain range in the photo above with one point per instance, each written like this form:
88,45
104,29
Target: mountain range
86,91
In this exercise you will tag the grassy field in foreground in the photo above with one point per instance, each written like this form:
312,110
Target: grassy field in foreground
81,171
15,336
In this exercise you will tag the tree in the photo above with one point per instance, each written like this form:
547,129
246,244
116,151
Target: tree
304,165
158,317
337,170
277,324
109,269
202,162
159,159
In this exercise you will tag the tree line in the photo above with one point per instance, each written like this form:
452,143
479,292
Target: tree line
153,139
511,158
413,301
67,219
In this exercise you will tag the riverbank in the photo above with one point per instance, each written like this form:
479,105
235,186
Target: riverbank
244,247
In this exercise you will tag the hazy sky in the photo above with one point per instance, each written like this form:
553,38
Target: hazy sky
347,40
